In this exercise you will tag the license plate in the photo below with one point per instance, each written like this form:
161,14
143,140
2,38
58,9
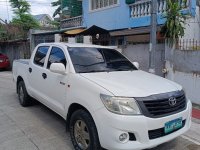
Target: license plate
173,125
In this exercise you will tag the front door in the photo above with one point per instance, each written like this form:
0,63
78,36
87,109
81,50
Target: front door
55,89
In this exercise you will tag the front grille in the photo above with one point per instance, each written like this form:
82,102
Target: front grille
159,106
157,133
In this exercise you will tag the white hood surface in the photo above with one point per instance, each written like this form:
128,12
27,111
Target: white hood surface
132,83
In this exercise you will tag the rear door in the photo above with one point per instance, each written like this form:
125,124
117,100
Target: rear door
35,73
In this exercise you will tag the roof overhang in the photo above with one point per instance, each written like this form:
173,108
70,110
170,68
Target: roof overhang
74,32
133,31
93,30
47,33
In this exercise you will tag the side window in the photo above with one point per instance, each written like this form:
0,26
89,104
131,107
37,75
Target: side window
56,56
40,55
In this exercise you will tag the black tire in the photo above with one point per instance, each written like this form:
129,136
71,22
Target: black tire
24,98
85,117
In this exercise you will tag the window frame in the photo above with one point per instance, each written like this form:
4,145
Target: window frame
102,8
42,66
49,54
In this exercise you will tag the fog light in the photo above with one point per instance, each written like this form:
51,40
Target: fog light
123,137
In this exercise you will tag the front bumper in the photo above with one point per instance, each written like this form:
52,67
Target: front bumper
110,126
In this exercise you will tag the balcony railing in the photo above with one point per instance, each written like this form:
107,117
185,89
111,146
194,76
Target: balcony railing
143,8
72,22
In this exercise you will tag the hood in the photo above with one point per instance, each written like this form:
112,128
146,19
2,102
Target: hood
132,83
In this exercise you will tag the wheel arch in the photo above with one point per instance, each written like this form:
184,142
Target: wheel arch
74,107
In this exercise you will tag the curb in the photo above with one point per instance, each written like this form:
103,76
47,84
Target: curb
196,113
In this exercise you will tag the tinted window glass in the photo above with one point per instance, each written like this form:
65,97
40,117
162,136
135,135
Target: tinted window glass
56,56
41,55
87,60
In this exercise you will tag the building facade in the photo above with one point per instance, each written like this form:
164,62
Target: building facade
124,18
128,25
122,14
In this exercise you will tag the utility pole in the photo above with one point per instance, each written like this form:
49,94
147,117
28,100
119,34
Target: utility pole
153,40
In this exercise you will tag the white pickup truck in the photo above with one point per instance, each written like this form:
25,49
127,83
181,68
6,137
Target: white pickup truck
106,100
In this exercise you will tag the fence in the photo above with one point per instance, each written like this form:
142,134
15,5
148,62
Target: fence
16,49
72,22
188,44
143,8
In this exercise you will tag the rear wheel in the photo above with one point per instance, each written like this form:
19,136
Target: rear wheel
24,98
83,131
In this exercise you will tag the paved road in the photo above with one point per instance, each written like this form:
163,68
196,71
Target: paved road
38,128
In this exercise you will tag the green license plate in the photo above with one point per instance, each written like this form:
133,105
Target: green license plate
173,125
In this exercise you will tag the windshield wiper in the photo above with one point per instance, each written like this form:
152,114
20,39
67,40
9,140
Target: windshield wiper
89,64
124,69
92,71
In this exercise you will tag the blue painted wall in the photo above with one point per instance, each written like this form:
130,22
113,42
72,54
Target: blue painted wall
118,17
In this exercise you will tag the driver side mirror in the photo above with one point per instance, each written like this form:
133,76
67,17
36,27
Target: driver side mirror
58,68
136,64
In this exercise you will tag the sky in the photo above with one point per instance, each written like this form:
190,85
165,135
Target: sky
37,7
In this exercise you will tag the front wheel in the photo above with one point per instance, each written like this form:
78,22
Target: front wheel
83,131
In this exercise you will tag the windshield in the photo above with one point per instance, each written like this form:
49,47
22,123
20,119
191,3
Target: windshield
86,60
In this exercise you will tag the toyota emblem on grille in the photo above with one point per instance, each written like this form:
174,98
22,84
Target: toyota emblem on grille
172,101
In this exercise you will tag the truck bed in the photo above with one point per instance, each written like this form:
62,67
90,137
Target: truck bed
20,67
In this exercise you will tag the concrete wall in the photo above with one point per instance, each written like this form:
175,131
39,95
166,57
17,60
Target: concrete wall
184,68
118,17
140,53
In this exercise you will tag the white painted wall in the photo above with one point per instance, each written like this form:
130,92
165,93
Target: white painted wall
140,53
57,37
189,81
71,40
87,39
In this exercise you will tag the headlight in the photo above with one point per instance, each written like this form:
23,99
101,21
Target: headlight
120,105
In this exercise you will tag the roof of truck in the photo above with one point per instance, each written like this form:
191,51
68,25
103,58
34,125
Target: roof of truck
77,45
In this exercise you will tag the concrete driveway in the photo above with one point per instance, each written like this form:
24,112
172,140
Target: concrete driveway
38,128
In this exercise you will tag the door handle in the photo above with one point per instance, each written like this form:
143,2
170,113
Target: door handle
44,75
30,70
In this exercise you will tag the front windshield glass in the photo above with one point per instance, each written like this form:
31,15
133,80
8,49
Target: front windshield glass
86,60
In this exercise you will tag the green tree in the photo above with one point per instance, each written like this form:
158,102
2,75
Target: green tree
26,22
56,24
23,18
3,33
74,7
58,5
20,6
175,21
71,8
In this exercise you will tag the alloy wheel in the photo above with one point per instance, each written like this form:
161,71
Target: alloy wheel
81,134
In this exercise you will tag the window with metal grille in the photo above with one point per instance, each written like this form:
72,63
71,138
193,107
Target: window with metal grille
98,4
